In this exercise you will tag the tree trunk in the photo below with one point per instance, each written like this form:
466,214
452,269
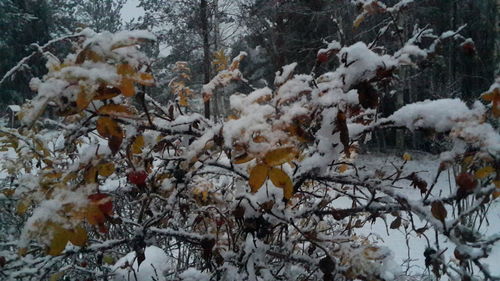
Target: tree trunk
206,52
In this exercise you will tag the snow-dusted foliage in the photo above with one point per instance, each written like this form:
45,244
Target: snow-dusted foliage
121,187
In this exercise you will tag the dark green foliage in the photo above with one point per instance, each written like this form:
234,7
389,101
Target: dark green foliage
22,23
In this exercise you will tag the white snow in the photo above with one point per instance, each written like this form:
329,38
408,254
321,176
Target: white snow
441,115
152,268
282,76
192,274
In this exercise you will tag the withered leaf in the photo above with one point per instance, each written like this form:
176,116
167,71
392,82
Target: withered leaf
396,223
341,123
439,211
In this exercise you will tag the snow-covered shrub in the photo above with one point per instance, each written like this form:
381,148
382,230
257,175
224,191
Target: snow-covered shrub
273,193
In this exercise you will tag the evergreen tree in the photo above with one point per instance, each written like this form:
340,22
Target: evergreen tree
22,23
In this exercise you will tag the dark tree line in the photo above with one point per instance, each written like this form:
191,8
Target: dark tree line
273,33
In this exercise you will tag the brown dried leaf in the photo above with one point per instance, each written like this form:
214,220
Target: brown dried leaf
344,132
484,172
83,100
127,87
104,93
108,127
114,143
145,79
78,236
116,110
106,169
60,238
244,158
90,175
439,211
137,145
395,224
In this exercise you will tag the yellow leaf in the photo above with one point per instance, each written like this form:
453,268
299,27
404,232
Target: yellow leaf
23,206
343,168
137,145
117,110
280,156
56,276
52,175
90,175
282,180
106,169
60,238
183,101
258,176
87,53
200,192
107,259
69,177
358,20
127,87
220,61
22,251
108,127
8,192
484,172
145,79
407,156
78,236
83,100
490,96
125,69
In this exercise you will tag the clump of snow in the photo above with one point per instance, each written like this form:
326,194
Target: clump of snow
294,87
400,5
152,268
51,211
282,76
193,274
331,47
359,63
440,115
404,54
224,77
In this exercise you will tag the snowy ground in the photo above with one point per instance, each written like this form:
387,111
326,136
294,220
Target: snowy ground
427,166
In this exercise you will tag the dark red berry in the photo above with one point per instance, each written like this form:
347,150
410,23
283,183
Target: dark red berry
466,181
322,57
138,177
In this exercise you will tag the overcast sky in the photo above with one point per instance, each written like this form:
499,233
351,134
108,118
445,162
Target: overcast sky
130,10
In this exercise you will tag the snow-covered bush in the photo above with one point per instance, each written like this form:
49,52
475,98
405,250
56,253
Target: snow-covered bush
126,188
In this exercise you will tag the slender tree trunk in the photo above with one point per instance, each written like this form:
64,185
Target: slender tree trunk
279,43
216,98
206,51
